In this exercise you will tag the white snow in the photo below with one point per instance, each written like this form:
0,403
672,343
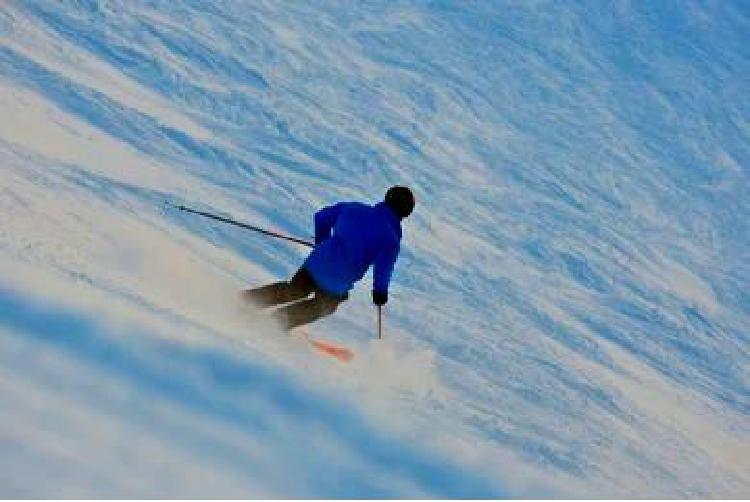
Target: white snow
569,313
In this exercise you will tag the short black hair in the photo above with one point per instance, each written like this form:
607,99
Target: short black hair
401,200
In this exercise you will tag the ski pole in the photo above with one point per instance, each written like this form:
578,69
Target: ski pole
380,322
244,225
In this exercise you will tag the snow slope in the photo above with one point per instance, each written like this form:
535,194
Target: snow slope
569,314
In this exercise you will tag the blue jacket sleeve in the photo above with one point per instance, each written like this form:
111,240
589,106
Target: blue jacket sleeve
324,221
383,268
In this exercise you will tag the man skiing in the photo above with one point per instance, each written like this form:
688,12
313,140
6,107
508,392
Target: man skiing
349,237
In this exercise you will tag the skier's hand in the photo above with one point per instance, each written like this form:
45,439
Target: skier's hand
379,298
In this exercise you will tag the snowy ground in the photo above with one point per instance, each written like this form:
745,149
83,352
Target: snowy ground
569,314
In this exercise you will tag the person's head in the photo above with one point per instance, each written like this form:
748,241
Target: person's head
400,200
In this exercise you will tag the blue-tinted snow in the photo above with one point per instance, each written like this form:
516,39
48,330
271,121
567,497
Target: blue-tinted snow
229,393
572,296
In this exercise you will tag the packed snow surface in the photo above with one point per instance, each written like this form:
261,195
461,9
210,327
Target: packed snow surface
569,315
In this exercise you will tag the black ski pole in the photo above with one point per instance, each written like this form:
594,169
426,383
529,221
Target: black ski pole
380,322
244,225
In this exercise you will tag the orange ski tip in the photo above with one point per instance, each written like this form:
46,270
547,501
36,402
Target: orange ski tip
339,353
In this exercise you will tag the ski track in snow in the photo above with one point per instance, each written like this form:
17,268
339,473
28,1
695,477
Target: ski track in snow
569,314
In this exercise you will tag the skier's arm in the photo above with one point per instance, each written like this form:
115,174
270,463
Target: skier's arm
324,221
382,271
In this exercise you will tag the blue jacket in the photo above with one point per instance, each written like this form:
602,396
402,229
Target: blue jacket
363,235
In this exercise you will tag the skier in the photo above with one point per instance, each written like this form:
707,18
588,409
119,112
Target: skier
349,237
